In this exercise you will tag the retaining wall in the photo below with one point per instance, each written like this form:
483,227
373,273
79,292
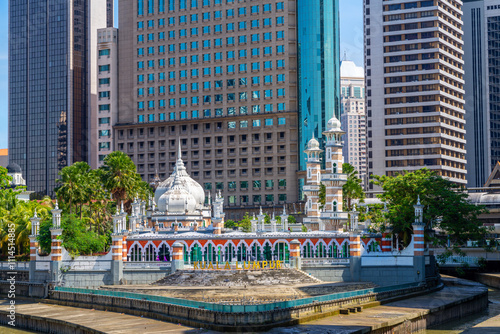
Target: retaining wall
328,273
143,276
388,275
222,321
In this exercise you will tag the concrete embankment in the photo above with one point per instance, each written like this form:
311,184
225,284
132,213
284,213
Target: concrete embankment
492,280
459,298
399,314
46,318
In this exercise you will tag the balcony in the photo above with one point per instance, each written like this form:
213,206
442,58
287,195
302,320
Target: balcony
311,188
334,215
334,177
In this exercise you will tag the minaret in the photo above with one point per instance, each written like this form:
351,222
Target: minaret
313,180
333,179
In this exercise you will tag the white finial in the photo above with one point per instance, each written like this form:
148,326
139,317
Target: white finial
313,135
179,153
35,216
284,210
261,211
418,200
273,214
121,207
57,205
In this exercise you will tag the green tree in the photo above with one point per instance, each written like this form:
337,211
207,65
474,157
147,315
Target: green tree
291,220
78,240
246,223
322,196
446,206
120,178
230,223
44,236
75,186
352,189
304,228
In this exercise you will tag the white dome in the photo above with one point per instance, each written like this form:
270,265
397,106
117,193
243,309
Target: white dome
177,200
313,144
333,124
183,181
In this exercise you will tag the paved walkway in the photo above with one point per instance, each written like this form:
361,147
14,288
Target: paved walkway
107,322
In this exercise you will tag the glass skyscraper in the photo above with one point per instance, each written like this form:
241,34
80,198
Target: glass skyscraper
318,70
50,65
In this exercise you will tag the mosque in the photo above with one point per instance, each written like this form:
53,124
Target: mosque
179,213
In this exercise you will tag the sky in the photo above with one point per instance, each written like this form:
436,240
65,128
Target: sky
351,44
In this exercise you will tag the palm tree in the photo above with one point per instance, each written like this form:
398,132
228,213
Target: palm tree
119,176
352,188
74,188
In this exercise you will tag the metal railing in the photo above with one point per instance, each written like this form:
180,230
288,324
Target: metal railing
146,265
462,260
238,308
6,265
325,261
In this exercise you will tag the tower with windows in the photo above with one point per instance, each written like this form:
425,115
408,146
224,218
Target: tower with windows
331,216
312,187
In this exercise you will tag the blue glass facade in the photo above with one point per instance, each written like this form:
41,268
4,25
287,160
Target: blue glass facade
319,69
44,92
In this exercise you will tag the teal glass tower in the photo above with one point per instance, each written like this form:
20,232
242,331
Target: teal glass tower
319,68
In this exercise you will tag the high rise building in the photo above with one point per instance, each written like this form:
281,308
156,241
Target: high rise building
224,77
107,94
353,117
482,88
414,86
51,63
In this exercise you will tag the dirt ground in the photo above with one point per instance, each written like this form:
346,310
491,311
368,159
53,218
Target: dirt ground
250,286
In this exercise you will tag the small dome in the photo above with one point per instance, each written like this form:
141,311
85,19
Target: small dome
13,168
313,144
333,124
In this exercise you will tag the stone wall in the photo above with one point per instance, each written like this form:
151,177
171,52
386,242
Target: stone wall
143,276
384,276
328,273
86,279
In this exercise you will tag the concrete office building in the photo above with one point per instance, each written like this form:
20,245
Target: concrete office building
223,78
414,86
52,61
482,88
353,117
107,94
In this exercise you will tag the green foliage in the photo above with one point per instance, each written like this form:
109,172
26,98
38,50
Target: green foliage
267,219
446,207
246,223
78,240
304,228
44,236
322,196
120,178
291,220
230,223
15,215
352,188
